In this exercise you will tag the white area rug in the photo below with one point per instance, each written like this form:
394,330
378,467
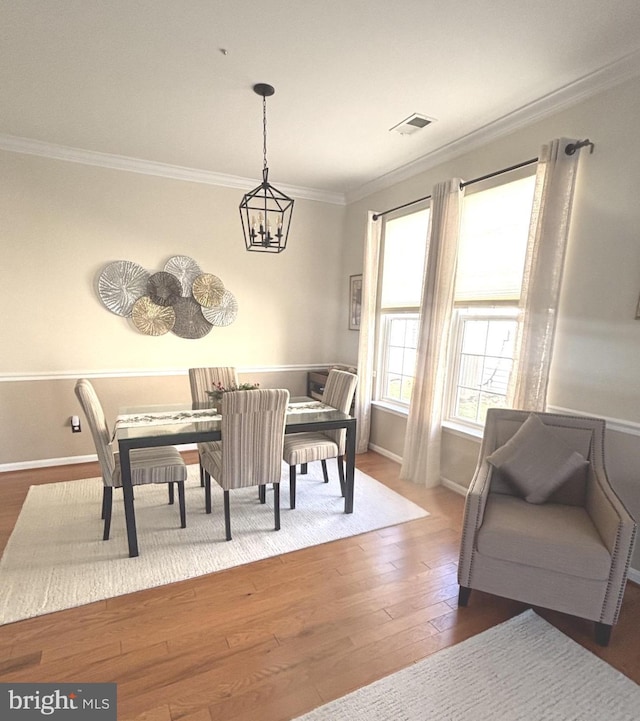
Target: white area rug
521,670
56,557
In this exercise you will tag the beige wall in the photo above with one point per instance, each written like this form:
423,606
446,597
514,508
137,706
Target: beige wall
595,363
62,222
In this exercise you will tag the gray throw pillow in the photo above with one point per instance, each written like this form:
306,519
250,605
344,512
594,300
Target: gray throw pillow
536,461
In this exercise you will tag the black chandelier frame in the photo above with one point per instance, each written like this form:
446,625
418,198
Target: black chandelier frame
266,211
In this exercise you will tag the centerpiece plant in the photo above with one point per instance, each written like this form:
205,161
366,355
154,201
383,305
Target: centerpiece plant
218,390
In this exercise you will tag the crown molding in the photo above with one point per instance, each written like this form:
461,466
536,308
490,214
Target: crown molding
29,146
610,75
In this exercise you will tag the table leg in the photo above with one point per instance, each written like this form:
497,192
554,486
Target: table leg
129,511
350,455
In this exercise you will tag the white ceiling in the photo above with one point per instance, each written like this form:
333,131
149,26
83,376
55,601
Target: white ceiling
147,79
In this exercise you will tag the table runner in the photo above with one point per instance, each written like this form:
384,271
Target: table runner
160,418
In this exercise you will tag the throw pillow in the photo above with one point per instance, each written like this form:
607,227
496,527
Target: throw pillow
536,461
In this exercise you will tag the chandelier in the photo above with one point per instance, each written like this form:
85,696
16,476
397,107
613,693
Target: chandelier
265,211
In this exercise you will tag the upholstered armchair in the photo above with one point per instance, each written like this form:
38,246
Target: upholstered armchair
542,524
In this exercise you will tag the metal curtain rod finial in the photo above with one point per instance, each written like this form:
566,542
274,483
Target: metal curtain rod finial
572,147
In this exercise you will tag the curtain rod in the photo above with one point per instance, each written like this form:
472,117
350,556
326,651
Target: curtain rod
569,150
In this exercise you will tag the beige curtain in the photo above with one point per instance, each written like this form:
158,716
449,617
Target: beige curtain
544,262
366,348
421,456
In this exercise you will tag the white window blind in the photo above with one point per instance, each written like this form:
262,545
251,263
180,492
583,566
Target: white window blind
493,238
403,260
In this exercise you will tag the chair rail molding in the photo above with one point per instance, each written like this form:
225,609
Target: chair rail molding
148,372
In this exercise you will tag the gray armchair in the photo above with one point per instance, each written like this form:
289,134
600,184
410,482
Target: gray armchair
564,543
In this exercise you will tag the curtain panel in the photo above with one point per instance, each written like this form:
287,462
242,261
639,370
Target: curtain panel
544,263
366,347
421,456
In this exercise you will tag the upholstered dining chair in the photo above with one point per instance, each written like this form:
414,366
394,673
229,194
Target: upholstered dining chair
303,448
202,380
148,465
249,452
542,524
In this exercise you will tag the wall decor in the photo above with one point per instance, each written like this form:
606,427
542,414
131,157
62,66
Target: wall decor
181,298
355,301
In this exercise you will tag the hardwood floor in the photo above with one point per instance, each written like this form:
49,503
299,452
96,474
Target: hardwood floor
273,639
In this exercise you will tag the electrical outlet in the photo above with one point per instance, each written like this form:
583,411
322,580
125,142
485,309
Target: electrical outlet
75,424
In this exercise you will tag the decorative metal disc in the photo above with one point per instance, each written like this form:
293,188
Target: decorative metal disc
225,313
120,285
185,269
208,290
164,288
190,323
152,319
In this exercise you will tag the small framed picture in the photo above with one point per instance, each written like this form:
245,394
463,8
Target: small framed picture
355,301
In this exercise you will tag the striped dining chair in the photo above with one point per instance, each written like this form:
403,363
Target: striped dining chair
148,465
250,450
303,448
202,380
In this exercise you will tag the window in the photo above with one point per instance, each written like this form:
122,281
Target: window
403,254
493,237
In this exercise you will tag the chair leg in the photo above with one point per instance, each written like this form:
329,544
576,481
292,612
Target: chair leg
463,595
182,504
262,493
227,516
292,487
107,503
106,492
171,494
276,505
202,472
207,492
303,469
324,471
343,486
603,633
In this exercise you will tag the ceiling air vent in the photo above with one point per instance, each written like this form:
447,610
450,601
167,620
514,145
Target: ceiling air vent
412,124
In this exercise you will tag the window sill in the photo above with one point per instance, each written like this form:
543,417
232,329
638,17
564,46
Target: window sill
458,429
389,408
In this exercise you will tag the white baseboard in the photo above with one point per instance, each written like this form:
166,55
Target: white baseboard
70,461
634,575
453,486
384,452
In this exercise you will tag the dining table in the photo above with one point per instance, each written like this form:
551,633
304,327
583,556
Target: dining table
180,424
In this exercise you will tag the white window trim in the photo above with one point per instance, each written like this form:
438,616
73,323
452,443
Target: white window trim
480,311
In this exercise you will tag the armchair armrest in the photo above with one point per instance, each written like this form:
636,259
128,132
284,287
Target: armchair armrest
474,506
617,528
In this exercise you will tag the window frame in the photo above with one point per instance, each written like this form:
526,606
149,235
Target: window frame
383,347
498,309
385,314
461,313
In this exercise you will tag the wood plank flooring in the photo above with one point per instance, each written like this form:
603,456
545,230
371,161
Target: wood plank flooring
273,639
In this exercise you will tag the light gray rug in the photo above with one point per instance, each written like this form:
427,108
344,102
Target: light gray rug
521,670
56,558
